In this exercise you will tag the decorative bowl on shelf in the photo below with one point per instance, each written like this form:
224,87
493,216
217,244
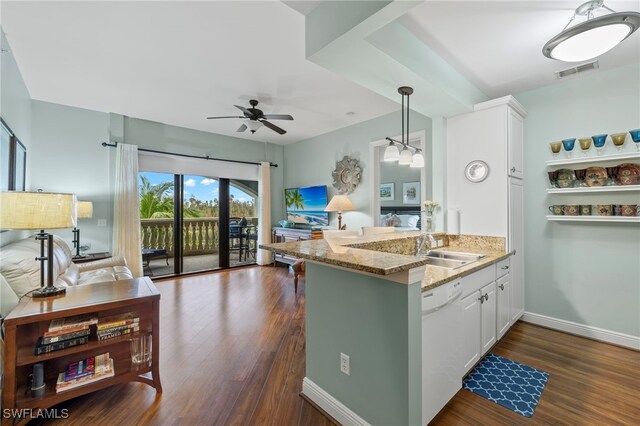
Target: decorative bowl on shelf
628,174
566,174
566,183
596,176
286,224
635,136
599,140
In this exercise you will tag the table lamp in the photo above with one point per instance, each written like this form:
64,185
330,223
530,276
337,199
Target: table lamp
340,203
39,210
84,210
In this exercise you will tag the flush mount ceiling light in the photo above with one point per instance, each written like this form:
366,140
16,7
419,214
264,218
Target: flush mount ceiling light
593,37
405,156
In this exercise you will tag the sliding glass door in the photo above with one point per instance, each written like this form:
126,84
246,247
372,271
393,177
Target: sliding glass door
193,223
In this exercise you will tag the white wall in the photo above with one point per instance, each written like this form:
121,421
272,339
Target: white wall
588,273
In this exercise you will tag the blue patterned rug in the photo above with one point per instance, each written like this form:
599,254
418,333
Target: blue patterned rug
508,383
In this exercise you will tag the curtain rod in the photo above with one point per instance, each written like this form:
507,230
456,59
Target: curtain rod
113,145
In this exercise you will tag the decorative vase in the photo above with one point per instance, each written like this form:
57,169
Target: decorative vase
428,221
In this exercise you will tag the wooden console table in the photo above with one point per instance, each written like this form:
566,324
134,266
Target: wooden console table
31,318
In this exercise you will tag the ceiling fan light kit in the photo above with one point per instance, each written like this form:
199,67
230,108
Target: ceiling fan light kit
593,37
409,155
254,118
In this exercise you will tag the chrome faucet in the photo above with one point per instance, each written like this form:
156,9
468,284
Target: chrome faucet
424,243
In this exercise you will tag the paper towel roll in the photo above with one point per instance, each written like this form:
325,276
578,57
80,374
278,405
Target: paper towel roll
453,221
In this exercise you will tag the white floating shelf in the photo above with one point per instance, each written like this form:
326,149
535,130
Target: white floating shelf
632,219
578,158
588,189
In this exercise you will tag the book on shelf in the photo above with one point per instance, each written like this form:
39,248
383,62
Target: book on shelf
46,340
72,322
44,348
79,369
103,369
65,331
117,333
118,320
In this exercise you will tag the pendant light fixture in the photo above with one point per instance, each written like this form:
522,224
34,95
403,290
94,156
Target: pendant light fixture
408,155
593,37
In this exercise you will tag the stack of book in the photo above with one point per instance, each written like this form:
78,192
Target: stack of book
64,333
84,372
117,325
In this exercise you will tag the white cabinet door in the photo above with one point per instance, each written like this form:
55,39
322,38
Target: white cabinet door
469,308
516,242
504,305
515,124
488,309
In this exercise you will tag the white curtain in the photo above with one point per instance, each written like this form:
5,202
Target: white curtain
126,212
264,212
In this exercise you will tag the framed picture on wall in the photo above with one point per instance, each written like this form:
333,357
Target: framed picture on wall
411,193
13,160
387,191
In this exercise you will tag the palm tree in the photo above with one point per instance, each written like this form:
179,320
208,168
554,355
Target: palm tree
156,201
293,197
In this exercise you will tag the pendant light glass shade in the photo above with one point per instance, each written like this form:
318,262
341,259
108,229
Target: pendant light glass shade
592,38
405,157
391,153
417,160
253,125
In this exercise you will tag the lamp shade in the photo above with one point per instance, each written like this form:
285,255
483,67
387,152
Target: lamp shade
405,157
37,210
253,125
391,152
84,209
417,160
340,203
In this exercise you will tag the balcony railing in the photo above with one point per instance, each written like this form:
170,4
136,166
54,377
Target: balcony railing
200,234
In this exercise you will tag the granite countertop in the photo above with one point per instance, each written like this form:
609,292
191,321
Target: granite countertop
388,254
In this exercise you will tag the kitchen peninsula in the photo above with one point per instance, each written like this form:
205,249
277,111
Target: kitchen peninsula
365,299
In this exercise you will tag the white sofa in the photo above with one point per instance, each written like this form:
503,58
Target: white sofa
20,271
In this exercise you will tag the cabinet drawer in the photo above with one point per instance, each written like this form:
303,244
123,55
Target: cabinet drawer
477,280
502,267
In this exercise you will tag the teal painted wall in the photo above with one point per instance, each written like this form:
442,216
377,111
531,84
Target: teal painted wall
311,161
15,110
377,323
582,272
67,157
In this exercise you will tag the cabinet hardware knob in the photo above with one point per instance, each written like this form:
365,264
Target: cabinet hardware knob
502,287
505,267
486,296
513,169
481,298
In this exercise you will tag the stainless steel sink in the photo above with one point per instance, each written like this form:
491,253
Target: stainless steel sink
452,260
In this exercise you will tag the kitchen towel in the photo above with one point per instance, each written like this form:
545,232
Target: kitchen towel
513,385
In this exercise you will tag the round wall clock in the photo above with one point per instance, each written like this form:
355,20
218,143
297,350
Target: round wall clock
346,175
476,171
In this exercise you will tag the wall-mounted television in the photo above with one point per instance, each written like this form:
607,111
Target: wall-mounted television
305,206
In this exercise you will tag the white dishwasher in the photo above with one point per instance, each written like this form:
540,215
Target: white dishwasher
441,333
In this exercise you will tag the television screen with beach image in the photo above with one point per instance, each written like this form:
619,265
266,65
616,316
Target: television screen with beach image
305,206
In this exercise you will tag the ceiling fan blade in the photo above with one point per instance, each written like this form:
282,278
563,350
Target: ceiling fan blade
278,117
273,127
242,128
228,116
243,109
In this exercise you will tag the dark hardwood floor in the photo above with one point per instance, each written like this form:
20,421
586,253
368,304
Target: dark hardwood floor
233,348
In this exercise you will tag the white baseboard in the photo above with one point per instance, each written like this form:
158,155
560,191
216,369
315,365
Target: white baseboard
595,333
332,406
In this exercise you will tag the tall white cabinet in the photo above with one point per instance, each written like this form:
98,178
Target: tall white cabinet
493,133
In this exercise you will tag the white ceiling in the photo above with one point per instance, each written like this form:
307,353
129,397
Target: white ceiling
179,62
497,45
